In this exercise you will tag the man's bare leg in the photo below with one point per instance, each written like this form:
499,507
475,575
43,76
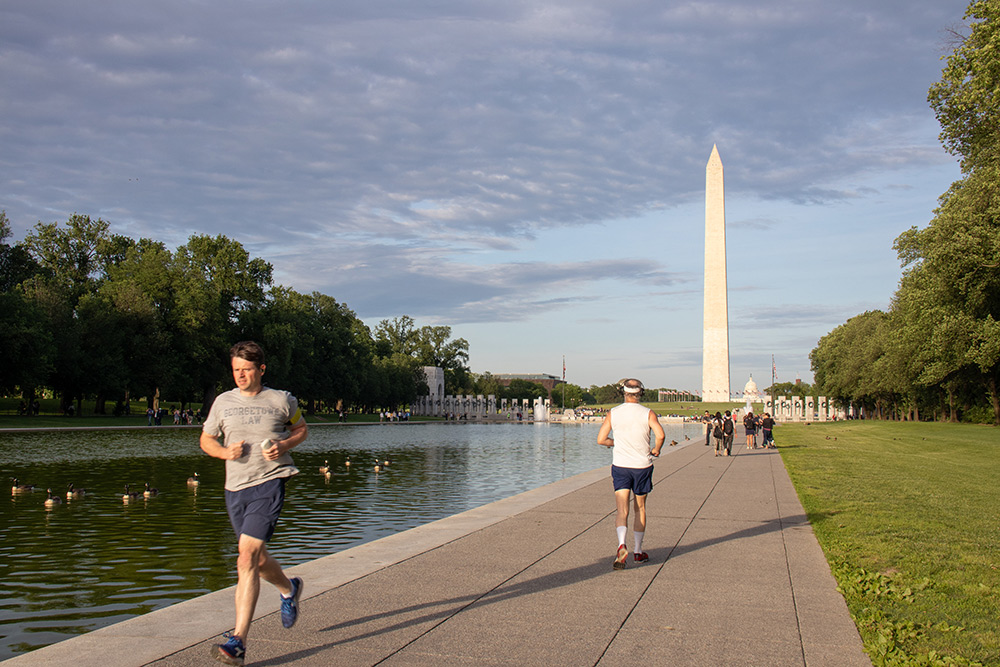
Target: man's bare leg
253,563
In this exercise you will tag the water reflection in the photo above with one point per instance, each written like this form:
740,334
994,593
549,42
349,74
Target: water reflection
93,561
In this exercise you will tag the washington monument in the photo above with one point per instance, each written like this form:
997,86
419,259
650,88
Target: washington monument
715,342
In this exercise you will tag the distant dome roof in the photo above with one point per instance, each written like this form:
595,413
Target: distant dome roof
751,387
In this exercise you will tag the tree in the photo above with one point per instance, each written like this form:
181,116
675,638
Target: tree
16,263
966,100
215,281
955,261
25,339
316,347
396,336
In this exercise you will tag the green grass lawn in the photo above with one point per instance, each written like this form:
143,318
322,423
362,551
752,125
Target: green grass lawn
907,514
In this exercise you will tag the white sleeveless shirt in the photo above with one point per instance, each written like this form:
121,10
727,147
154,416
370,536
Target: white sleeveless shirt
630,430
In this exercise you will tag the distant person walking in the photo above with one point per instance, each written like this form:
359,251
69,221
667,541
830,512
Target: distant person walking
631,464
717,434
767,431
750,427
728,432
260,425
706,419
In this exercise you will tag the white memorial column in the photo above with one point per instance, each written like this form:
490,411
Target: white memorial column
715,340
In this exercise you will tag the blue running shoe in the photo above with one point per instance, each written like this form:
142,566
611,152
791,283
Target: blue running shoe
231,652
290,605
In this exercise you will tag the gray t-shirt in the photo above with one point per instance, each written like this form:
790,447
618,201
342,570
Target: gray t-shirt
253,419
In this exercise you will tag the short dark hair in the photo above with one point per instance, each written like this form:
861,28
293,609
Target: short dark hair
249,350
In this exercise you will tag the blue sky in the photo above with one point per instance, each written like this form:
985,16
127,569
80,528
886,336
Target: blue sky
529,173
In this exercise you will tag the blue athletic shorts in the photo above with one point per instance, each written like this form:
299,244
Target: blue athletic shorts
638,480
254,510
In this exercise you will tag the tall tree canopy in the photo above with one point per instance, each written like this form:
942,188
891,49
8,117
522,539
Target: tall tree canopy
939,344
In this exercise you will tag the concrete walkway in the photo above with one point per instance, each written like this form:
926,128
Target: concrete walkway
735,577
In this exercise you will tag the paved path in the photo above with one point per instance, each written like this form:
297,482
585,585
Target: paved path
735,577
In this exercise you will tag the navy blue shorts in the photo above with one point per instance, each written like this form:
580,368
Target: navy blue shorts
254,511
638,480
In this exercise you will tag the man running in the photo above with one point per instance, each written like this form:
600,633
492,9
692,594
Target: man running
632,464
260,426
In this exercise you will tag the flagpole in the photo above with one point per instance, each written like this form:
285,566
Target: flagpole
564,383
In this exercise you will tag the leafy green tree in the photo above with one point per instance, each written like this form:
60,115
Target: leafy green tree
966,100
215,281
606,394
575,396
70,256
522,389
396,336
70,268
16,263
955,264
139,289
316,347
25,339
842,360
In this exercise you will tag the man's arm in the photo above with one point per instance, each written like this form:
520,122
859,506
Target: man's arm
211,446
602,435
297,433
654,423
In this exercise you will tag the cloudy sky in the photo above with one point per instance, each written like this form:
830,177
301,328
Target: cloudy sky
531,174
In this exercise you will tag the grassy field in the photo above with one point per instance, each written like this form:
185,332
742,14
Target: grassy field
907,515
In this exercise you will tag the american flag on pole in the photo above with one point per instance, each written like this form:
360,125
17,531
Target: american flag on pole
564,367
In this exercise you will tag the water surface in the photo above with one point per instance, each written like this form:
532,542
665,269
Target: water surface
95,561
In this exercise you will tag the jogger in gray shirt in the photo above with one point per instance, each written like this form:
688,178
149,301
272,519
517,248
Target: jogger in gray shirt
260,426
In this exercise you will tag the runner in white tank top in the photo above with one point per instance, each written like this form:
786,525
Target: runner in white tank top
632,463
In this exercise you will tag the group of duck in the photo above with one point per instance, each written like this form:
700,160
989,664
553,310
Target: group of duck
380,465
73,493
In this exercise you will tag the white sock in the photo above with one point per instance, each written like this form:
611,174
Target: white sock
638,541
621,530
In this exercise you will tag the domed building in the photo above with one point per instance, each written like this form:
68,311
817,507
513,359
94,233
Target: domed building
750,393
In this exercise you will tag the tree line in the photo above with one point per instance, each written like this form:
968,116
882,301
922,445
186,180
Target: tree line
935,352
88,313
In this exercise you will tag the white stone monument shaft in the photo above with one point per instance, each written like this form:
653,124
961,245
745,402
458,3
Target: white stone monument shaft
715,342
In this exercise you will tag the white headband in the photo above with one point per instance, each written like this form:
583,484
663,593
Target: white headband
631,390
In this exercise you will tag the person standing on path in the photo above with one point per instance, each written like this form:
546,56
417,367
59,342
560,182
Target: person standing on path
717,434
260,425
632,463
750,427
767,431
728,432
706,419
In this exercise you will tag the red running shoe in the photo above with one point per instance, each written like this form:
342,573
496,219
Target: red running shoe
640,557
621,559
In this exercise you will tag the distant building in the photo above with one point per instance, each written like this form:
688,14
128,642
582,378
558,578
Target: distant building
547,381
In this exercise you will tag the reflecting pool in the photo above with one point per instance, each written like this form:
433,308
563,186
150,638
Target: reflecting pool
94,561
